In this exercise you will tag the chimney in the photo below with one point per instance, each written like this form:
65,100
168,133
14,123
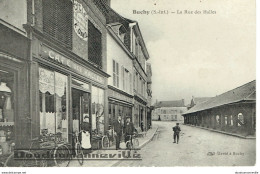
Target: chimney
183,102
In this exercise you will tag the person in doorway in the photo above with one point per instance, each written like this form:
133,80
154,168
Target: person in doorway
118,131
142,125
85,135
176,129
129,129
110,134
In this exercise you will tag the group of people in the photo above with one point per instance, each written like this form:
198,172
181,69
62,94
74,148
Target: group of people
128,130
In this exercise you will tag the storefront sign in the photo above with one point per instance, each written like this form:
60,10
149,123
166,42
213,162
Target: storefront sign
119,96
80,21
48,53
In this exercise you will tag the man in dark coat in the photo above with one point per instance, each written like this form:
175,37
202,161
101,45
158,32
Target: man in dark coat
129,129
118,131
176,134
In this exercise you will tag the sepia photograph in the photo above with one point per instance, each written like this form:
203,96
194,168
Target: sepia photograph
127,83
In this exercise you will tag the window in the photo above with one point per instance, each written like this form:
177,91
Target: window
98,101
240,119
115,74
218,120
136,48
94,45
7,120
137,82
53,91
123,78
57,20
130,81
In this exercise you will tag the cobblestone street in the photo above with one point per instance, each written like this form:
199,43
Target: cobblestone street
193,149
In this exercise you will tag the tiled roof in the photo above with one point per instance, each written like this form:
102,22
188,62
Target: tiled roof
246,92
175,103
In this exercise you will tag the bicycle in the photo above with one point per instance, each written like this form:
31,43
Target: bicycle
105,142
20,158
108,139
78,149
132,143
27,158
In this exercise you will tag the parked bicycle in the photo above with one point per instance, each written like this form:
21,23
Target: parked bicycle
78,148
132,143
38,146
108,139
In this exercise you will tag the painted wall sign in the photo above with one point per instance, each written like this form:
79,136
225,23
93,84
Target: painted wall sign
50,54
80,21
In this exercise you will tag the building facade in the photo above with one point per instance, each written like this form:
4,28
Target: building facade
149,94
73,61
60,66
232,112
169,110
126,63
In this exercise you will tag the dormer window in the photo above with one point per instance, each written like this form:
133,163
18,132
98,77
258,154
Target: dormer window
119,30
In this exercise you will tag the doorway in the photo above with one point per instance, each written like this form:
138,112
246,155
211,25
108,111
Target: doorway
80,109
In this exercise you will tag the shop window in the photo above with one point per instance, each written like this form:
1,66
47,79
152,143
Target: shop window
6,111
53,93
98,101
94,45
57,20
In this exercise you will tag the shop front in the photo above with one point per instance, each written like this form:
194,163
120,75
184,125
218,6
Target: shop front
119,104
14,107
70,97
140,114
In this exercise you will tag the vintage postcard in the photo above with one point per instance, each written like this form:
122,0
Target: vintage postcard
127,83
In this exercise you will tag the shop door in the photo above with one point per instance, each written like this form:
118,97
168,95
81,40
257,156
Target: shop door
81,110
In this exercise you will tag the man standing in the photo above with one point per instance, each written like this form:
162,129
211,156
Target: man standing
176,134
129,129
118,131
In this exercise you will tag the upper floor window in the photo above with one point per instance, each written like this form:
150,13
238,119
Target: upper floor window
57,20
94,45
115,74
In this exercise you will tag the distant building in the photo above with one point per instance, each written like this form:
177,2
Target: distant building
169,110
233,111
197,100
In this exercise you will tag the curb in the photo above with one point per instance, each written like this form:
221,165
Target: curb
141,146
222,132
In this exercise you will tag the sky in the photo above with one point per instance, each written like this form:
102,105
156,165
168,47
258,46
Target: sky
200,55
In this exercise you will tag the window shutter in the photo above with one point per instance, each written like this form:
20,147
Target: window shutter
57,20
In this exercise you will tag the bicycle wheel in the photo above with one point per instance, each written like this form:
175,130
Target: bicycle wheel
105,142
135,143
62,156
129,145
21,158
79,154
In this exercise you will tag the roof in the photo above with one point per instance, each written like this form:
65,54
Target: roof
112,17
174,103
198,100
246,92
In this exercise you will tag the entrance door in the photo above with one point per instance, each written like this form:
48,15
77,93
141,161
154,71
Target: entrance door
80,109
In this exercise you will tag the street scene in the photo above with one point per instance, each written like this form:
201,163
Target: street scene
197,147
127,83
